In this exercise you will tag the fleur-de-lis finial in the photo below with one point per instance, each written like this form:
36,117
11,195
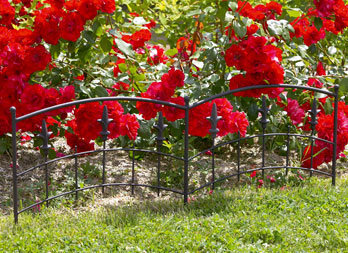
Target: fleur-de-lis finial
45,135
214,118
105,121
160,127
314,112
264,111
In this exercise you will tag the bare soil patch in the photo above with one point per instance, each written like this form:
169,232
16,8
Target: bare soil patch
119,168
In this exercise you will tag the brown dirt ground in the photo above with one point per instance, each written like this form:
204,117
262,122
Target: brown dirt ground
118,167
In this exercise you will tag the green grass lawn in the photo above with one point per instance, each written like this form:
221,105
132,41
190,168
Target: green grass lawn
308,218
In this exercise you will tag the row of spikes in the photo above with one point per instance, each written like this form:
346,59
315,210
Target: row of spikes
214,118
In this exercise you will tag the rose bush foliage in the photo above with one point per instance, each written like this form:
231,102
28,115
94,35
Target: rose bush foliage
55,51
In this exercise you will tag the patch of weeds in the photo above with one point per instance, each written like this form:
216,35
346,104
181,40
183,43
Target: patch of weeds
91,171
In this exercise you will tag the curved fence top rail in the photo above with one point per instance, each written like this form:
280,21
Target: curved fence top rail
98,99
267,86
155,101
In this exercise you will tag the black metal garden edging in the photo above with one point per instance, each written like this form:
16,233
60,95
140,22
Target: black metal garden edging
160,128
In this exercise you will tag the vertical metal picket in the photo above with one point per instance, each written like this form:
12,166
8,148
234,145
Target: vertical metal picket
75,169
160,127
335,136
186,148
264,111
45,135
214,118
104,121
313,123
238,156
133,167
287,151
14,163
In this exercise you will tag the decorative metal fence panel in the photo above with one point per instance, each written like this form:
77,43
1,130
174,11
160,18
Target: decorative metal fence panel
185,158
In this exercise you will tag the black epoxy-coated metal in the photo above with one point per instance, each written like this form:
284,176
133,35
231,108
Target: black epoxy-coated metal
160,128
238,156
186,189
104,121
214,118
287,150
186,148
264,121
76,175
133,168
14,164
45,135
313,123
334,152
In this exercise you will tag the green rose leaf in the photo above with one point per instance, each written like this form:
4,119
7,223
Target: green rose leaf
125,47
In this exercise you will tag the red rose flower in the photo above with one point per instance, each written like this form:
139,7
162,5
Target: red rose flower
33,97
234,56
295,112
7,13
312,35
198,123
107,6
172,79
87,116
318,157
173,114
88,9
47,24
129,126
73,140
71,26
320,69
36,59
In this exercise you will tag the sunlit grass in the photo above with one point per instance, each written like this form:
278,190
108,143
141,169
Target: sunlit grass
313,217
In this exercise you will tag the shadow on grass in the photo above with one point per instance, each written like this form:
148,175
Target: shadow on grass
130,214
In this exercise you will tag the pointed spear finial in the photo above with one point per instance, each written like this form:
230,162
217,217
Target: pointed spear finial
45,135
105,121
314,112
214,118
160,127
264,111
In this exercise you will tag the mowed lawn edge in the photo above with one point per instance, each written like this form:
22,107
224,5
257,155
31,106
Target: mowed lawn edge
311,217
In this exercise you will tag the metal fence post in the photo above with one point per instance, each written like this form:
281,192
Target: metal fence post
335,137
104,121
45,135
313,123
14,164
287,151
264,121
76,174
186,150
214,118
160,127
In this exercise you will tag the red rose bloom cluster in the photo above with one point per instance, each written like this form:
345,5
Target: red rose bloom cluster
260,61
259,12
334,16
7,13
85,126
230,122
138,38
164,91
324,151
66,19
21,54
295,112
